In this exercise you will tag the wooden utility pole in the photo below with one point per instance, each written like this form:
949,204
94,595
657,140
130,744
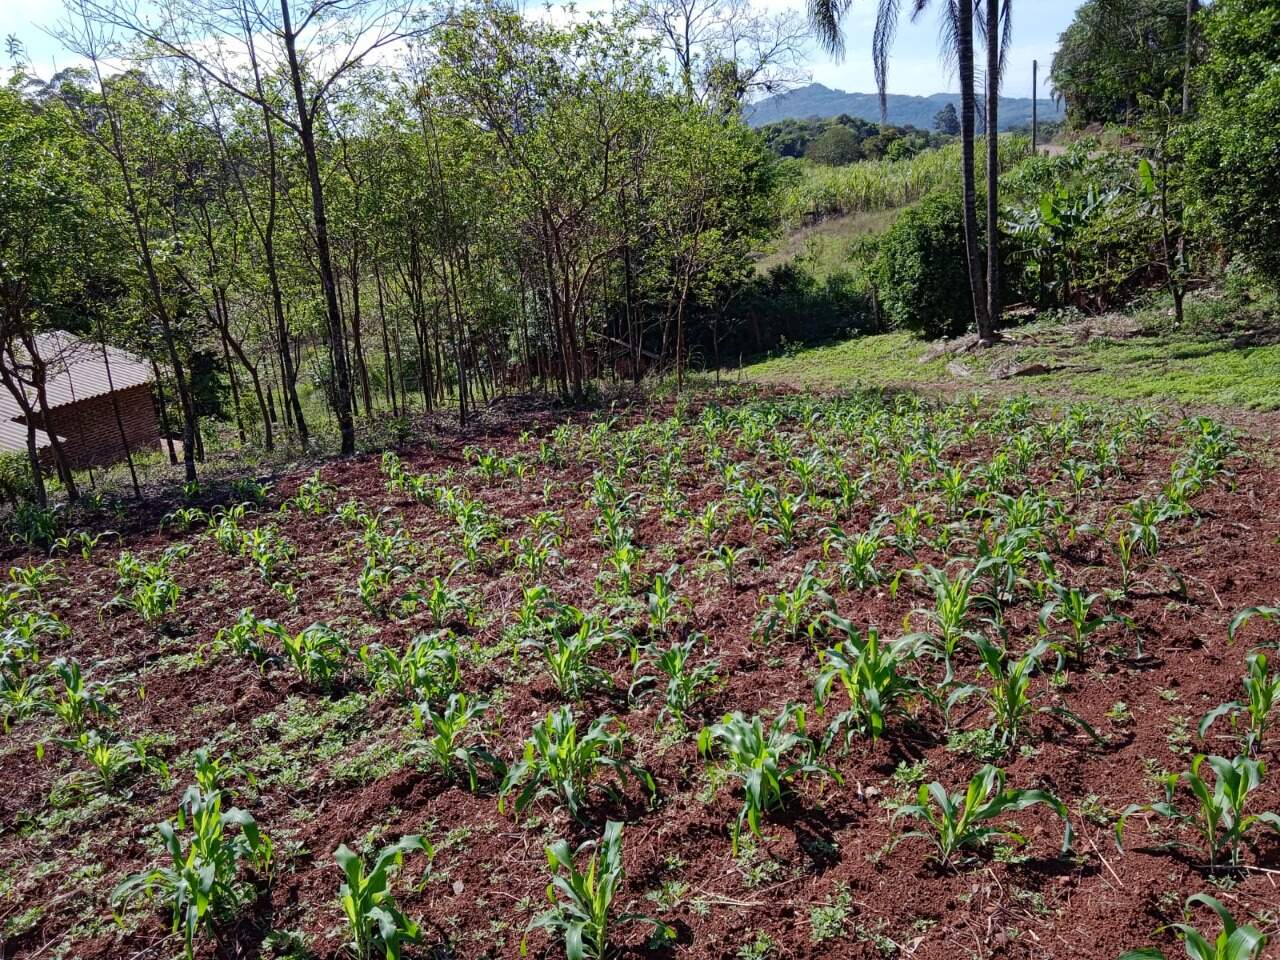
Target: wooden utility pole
1035,105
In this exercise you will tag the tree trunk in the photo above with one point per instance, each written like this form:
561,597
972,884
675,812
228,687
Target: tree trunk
324,256
993,168
964,59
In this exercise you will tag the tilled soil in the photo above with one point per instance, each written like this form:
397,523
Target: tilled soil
833,876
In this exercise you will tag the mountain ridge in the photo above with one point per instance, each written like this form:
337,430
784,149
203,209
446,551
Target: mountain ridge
821,102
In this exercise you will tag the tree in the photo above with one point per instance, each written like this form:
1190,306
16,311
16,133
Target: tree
1233,150
1116,51
315,47
835,146
996,31
726,50
49,242
946,121
957,45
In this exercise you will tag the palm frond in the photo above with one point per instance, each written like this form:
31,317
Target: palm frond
824,19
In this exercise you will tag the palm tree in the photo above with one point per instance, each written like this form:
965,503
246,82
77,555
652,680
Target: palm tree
957,34
996,29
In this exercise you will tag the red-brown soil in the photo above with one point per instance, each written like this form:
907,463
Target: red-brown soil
356,783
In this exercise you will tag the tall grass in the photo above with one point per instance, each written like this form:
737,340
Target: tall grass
872,185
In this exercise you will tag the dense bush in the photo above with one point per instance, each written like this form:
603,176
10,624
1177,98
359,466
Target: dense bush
919,268
791,305
1233,160
1078,230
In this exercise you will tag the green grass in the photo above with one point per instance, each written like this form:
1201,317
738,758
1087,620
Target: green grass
824,247
1179,368
890,359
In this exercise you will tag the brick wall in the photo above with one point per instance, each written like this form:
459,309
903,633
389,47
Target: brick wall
89,431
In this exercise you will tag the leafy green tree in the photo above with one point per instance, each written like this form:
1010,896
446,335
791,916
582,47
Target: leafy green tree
947,121
834,147
1233,157
1114,53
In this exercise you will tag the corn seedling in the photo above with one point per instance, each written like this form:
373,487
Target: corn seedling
1262,693
759,759
426,670
201,885
79,700
582,900
317,652
1219,815
789,612
1074,608
954,599
375,923
685,685
443,729
1233,941
952,822
559,762
869,674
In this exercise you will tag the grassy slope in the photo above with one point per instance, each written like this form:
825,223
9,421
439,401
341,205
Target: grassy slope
1169,367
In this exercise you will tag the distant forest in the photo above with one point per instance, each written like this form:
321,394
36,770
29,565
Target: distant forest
845,139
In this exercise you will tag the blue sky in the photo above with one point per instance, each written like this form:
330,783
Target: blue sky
915,69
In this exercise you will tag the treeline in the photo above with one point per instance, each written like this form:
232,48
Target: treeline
845,140
398,219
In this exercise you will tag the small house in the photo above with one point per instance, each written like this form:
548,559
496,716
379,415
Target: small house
85,390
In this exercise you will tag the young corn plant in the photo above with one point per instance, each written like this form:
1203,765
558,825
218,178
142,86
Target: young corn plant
582,900
243,638
873,683
374,922
317,652
79,699
1220,814
559,762
954,601
857,569
1008,692
663,602
728,559
567,647
760,759
427,669
1074,608
443,730
953,822
685,685
1233,942
444,604
114,761
789,612
201,885
1262,693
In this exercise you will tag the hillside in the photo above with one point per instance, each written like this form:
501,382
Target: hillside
816,100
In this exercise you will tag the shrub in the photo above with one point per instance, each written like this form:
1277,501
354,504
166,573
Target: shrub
919,269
